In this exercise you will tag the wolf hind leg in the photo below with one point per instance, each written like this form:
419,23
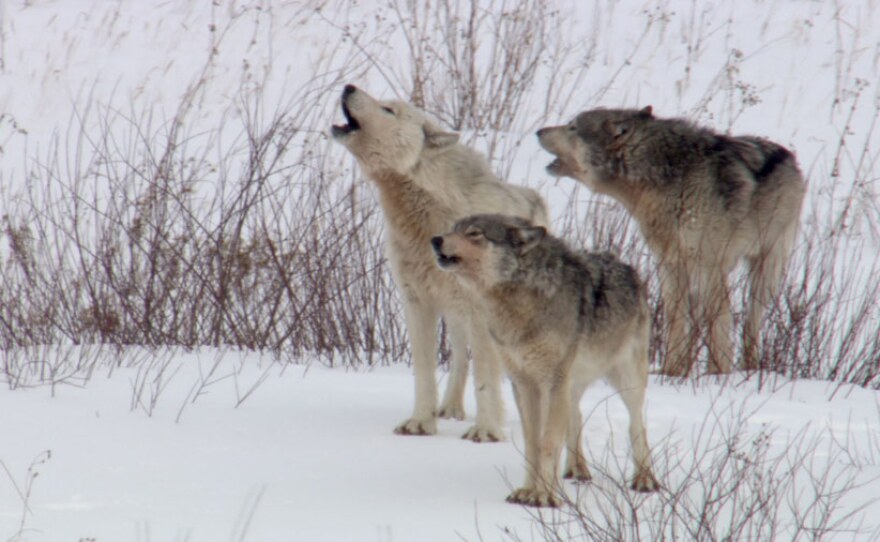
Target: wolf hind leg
766,271
575,462
630,378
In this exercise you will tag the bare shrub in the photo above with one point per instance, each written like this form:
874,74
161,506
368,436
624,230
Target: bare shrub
246,228
135,231
721,482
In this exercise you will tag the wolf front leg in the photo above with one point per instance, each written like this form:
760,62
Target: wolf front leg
543,408
528,404
453,399
717,315
680,340
421,323
487,386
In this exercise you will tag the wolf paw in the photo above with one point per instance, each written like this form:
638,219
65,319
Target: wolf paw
644,482
413,426
451,411
533,497
578,471
483,434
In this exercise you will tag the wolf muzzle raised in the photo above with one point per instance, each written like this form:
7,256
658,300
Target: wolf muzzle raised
352,125
443,260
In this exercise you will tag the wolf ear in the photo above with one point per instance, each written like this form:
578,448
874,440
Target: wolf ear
646,112
525,239
435,138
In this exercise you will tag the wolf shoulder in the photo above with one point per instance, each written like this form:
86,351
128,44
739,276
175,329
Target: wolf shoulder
612,290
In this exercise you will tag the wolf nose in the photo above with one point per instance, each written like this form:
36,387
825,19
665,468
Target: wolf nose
348,90
437,243
540,132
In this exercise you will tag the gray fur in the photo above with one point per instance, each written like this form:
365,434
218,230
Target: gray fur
560,319
703,202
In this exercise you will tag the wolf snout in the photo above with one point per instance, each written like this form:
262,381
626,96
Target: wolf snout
541,132
445,261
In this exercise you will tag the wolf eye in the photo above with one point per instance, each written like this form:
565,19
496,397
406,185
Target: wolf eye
387,110
572,127
473,234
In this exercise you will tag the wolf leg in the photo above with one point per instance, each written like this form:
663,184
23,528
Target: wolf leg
487,386
557,394
543,442
765,275
527,403
679,341
719,319
575,463
421,323
630,378
453,399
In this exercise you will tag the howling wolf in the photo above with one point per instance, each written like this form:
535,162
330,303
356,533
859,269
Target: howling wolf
560,319
426,181
703,201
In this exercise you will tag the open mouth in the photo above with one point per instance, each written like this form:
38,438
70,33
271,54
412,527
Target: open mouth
445,261
351,125
556,167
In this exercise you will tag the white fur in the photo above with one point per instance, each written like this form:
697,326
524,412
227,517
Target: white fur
426,181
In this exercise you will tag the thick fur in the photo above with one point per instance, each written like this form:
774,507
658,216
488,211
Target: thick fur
703,202
560,319
426,181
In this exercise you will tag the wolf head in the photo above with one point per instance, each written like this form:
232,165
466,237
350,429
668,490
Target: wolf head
487,250
587,146
386,135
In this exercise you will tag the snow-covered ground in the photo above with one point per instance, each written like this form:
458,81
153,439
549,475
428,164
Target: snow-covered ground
310,454
229,446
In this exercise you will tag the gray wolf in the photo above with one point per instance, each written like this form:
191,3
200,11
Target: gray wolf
560,319
703,201
427,180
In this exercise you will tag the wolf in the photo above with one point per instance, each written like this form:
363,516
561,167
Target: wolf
703,202
427,180
560,319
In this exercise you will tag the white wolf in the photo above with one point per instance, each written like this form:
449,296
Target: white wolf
427,180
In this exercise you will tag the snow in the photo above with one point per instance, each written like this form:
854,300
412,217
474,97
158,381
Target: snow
310,455
235,446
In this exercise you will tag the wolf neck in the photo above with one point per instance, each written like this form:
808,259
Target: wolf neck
623,190
642,196
410,211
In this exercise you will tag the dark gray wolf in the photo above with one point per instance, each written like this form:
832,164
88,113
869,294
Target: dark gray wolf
560,319
703,201
426,181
